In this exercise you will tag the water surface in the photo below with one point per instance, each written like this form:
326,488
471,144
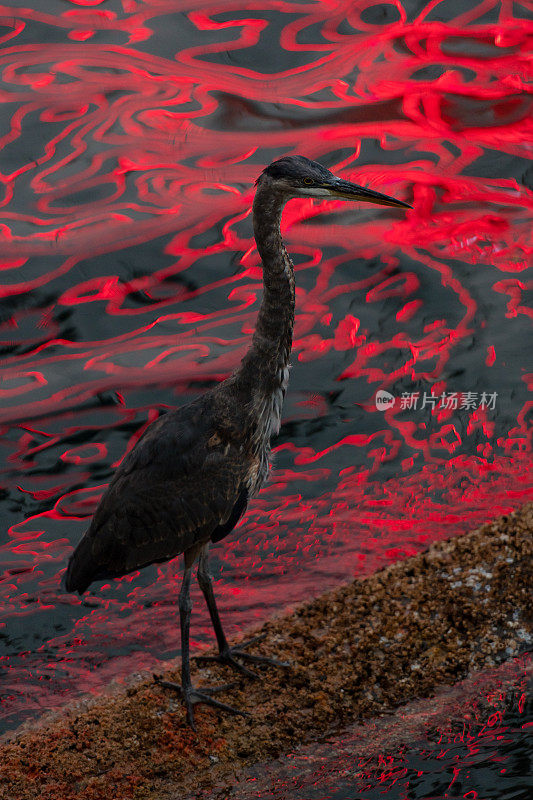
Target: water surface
471,741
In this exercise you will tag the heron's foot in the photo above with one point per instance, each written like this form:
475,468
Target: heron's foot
230,655
191,696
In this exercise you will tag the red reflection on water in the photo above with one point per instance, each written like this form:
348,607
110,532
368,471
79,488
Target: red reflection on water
127,261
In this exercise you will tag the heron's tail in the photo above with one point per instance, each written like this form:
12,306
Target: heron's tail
80,570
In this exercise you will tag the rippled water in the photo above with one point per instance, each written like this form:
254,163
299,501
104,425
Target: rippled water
472,741
131,133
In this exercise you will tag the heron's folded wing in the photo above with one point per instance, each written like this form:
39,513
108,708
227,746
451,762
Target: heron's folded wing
170,493
140,522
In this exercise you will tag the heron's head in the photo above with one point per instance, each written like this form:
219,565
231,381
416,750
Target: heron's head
298,176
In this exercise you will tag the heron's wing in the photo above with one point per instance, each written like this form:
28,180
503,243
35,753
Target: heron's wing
177,487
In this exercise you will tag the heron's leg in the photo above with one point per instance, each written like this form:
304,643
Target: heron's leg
205,582
190,695
226,653
185,607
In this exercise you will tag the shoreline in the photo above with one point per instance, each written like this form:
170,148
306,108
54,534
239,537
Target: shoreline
380,750
356,652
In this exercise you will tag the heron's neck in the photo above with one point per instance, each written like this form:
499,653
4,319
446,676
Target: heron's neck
266,363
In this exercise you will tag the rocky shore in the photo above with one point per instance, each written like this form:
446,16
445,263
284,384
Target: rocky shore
356,652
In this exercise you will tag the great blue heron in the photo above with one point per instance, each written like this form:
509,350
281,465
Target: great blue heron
187,481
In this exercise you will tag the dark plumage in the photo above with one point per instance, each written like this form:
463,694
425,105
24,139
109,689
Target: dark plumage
178,487
296,168
187,481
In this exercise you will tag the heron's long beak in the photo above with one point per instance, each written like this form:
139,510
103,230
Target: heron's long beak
351,191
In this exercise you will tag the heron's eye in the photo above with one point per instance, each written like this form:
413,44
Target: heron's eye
308,181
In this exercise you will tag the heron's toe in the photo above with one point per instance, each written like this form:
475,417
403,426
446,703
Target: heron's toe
260,659
231,655
203,694
228,659
240,648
